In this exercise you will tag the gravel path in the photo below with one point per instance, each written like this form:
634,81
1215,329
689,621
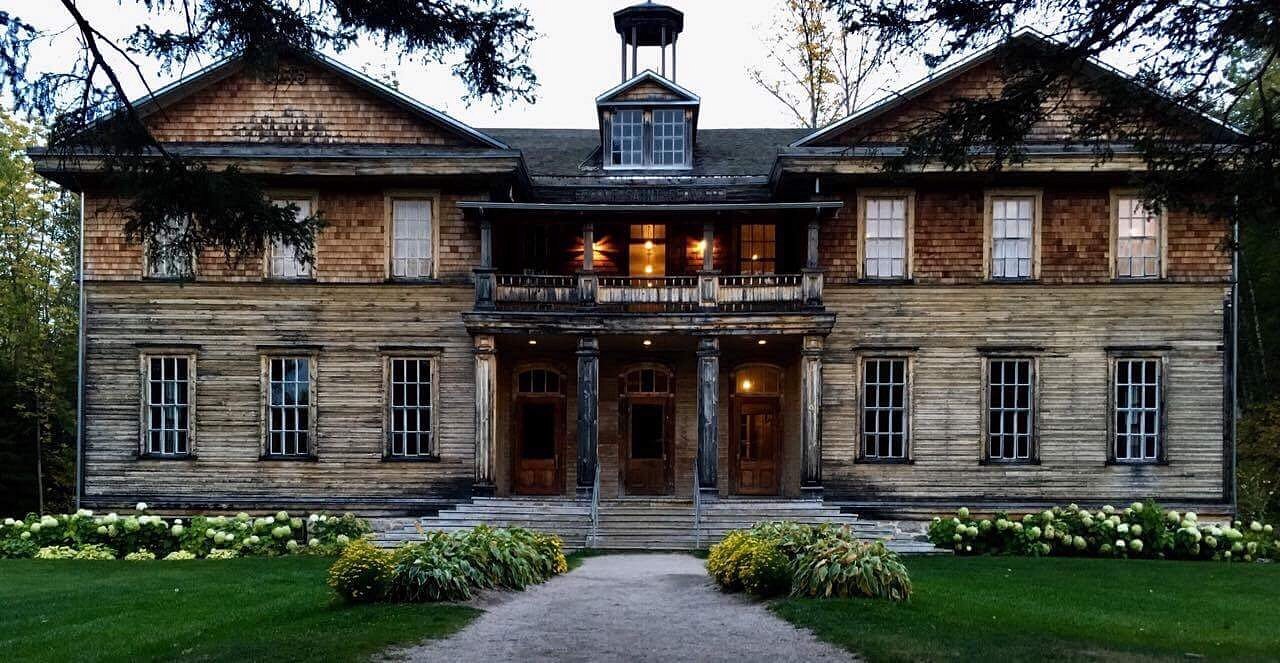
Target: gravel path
626,608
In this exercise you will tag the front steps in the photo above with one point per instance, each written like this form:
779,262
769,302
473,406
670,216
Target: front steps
640,523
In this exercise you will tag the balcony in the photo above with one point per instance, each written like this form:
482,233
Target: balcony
705,293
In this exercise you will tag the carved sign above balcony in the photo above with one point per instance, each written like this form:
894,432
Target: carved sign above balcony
649,194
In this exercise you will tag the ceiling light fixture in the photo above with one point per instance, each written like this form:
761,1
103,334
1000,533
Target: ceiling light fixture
647,342
533,341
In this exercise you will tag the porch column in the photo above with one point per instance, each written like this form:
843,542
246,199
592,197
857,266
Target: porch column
811,416
811,275
485,272
708,277
588,407
708,411
486,363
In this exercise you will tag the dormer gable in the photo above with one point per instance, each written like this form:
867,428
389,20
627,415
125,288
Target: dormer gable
647,122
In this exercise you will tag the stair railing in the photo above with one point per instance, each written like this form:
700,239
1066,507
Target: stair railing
697,506
593,540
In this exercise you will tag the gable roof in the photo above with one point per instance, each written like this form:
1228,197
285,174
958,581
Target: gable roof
1024,36
648,76
224,68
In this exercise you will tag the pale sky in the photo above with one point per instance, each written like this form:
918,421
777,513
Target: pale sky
575,58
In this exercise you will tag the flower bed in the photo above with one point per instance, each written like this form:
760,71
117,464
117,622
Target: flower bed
1142,529
447,566
141,536
777,558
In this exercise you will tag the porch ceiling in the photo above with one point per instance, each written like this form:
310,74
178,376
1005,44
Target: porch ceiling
702,324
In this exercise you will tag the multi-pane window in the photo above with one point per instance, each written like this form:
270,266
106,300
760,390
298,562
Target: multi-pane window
884,409
668,137
411,243
885,244
410,408
168,405
290,422
1137,240
170,264
1137,409
626,138
283,261
648,249
757,249
1010,409
1012,224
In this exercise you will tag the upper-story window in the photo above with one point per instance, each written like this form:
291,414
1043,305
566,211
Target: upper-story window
757,249
657,138
885,237
283,261
411,244
1138,240
648,249
170,264
1013,230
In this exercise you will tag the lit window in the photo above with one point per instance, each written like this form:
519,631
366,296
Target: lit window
1010,409
1137,409
410,408
284,260
668,137
411,245
168,406
885,245
648,249
757,249
1012,222
884,409
1137,240
290,424
626,138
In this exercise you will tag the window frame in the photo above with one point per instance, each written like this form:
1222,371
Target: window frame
744,237
144,410
432,357
909,200
147,275
984,441
1162,418
264,411
1113,246
388,202
989,198
908,405
268,251
653,137
646,110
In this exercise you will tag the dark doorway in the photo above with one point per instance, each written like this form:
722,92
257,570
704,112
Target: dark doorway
647,422
539,427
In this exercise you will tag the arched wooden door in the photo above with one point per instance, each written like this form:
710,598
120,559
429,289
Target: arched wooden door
538,427
646,401
756,430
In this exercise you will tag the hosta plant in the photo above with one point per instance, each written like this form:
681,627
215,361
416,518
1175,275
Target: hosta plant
842,567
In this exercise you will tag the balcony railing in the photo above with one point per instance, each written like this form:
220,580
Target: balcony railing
706,292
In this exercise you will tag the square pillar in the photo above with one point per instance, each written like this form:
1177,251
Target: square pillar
708,412
811,417
588,411
486,365
485,273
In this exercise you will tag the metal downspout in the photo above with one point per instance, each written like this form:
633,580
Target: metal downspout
80,338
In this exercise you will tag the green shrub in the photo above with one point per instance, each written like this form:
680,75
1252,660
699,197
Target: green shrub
362,574
179,555
17,548
140,556
724,559
95,551
56,552
837,566
765,570
429,572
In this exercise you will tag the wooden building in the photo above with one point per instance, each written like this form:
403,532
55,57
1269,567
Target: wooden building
650,309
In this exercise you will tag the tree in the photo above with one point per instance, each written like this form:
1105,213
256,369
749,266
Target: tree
39,228
1185,49
182,200
815,68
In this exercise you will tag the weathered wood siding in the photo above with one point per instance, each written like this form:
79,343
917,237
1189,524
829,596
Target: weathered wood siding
230,326
1074,325
303,103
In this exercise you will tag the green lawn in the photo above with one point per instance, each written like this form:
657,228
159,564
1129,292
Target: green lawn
1016,609
238,610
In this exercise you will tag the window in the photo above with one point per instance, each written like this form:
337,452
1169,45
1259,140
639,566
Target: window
171,264
290,406
1012,225
757,249
647,381
626,138
1010,409
648,249
167,405
411,408
538,381
885,239
885,432
1137,240
411,241
1137,402
668,137
283,260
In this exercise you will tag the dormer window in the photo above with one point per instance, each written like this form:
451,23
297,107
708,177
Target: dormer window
649,138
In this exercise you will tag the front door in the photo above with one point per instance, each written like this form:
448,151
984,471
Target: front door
537,433
757,432
646,453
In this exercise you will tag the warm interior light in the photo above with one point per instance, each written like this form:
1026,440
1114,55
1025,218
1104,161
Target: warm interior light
533,342
761,342
702,245
648,245
647,342
755,256
648,269
746,385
